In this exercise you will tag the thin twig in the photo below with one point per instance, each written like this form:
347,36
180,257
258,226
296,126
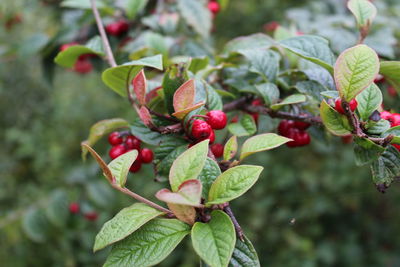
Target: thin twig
238,229
103,35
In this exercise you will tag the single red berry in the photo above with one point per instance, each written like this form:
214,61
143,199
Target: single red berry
257,102
386,115
284,127
114,139
91,216
301,125
212,137
392,91
292,133
136,166
217,150
132,142
347,139
117,28
214,7
395,120
65,46
216,119
201,130
116,151
146,155
353,104
338,105
83,66
303,138
396,146
74,207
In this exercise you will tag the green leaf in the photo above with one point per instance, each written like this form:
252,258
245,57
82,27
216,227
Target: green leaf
198,63
188,165
149,245
101,128
127,221
81,4
164,166
167,145
230,148
263,62
311,88
174,77
35,225
246,126
189,194
313,48
120,166
377,127
363,10
269,92
249,42
244,254
133,7
57,208
69,56
119,78
290,100
368,101
330,94
214,241
262,142
394,131
208,175
355,70
196,15
390,70
233,183
214,101
386,168
142,132
366,151
336,123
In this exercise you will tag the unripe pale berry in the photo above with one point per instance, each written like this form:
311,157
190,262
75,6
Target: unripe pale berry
200,130
217,150
116,151
216,119
114,139
146,155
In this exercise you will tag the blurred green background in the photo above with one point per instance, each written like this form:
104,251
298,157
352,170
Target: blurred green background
312,207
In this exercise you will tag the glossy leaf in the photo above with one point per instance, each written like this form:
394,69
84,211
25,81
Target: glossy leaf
188,165
208,175
184,112
189,193
230,148
145,116
119,78
336,123
140,87
148,245
246,126
377,127
269,92
390,70
263,62
386,168
355,70
368,101
127,221
142,132
214,241
120,166
244,254
290,100
262,142
233,183
395,131
196,15
363,10
311,88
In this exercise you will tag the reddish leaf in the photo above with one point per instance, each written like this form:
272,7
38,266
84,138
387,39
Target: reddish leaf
182,113
184,96
145,116
140,87
189,193
184,213
152,94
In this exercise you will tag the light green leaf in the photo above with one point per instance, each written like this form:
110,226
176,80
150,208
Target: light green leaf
127,221
148,245
355,70
119,78
214,241
313,48
133,7
101,128
189,194
249,42
230,148
120,166
262,142
196,15
330,94
233,183
390,70
188,165
246,126
336,123
368,101
269,92
208,175
377,127
290,100
244,254
363,10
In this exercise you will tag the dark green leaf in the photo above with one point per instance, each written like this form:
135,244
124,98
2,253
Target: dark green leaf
244,254
208,175
369,100
246,126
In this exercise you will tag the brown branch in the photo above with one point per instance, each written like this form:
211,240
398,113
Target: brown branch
238,229
103,35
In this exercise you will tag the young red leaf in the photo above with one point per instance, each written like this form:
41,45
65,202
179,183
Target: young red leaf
184,213
189,193
182,113
184,96
145,116
140,87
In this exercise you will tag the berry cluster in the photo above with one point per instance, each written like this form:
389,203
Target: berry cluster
394,119
117,28
74,208
338,105
82,65
201,130
122,144
295,130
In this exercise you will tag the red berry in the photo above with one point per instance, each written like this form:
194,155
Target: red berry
347,139
386,115
300,138
201,130
116,151
91,216
292,133
271,26
136,166
235,119
216,119
284,127
132,142
257,102
217,150
83,66
117,28
301,125
212,137
353,104
74,207
255,117
395,119
114,139
338,105
146,155
396,146
303,138
213,7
